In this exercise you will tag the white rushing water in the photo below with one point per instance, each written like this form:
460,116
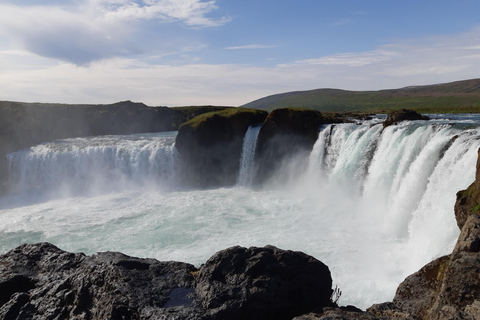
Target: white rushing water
374,205
247,160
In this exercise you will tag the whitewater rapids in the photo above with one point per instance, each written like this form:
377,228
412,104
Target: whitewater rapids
374,205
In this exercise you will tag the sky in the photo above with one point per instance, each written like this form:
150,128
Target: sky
229,52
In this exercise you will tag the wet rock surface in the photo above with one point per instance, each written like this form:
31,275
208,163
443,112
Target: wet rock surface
45,282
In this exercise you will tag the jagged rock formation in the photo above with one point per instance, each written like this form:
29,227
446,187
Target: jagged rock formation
402,115
41,281
211,145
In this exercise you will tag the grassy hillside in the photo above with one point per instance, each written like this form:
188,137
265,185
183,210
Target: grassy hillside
454,97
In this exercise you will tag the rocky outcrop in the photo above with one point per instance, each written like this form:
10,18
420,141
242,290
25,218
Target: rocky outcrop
41,281
402,115
378,312
286,133
263,283
211,145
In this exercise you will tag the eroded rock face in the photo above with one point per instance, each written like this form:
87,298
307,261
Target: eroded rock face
43,282
40,281
211,145
417,293
401,115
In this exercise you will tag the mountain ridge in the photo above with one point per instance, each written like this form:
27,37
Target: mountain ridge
452,97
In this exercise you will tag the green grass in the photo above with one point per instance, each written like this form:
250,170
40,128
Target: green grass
455,97
226,113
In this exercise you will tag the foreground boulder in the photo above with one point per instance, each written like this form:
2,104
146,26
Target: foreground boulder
263,283
40,281
43,282
402,115
211,145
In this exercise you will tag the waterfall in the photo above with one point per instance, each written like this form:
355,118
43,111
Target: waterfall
374,204
94,165
388,195
247,160
405,176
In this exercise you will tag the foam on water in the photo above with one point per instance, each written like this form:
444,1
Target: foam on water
374,205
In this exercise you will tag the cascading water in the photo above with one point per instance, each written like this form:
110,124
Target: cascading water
95,165
247,160
373,204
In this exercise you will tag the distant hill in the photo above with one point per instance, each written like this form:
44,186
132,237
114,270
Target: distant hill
454,97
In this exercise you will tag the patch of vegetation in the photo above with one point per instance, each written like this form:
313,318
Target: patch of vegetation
226,113
336,294
190,112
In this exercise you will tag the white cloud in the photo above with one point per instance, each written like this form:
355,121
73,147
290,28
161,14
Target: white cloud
251,46
190,12
98,29
423,61
352,59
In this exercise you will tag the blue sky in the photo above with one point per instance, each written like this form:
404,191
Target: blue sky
229,52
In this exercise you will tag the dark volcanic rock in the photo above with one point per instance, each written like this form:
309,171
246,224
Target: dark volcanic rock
263,283
417,293
286,133
40,281
43,282
211,145
401,115
347,313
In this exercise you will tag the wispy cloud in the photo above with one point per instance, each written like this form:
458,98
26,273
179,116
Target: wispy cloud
251,47
98,29
422,61
352,59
